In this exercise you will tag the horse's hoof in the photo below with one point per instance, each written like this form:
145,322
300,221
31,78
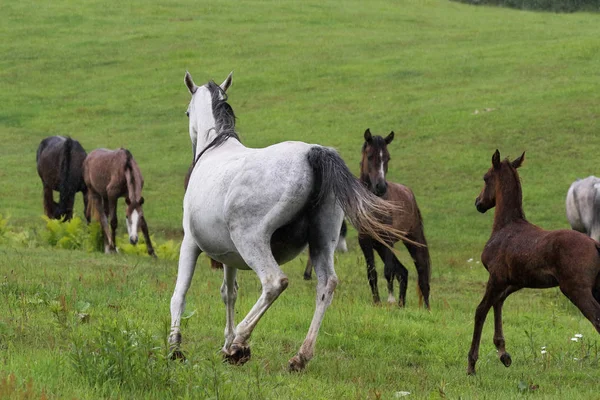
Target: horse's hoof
237,355
471,372
307,277
296,364
506,360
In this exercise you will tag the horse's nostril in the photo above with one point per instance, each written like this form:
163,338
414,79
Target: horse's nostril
133,240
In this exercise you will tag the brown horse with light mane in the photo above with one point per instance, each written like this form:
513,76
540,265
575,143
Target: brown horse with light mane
373,168
110,174
521,255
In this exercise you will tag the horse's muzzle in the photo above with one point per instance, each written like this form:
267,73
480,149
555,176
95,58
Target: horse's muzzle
480,207
133,241
380,189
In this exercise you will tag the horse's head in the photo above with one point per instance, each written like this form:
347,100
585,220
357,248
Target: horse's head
493,178
133,216
374,163
200,110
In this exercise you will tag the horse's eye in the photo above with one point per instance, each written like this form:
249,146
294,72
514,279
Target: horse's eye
370,158
187,113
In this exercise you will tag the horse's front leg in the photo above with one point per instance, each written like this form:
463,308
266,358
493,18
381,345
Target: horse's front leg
498,333
229,290
492,292
366,245
144,227
188,255
111,212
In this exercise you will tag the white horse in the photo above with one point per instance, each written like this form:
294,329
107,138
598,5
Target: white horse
259,208
583,206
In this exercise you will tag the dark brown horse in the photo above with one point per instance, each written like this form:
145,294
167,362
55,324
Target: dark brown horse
110,174
373,168
59,165
521,255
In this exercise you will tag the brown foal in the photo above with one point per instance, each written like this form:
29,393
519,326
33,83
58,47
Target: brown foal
521,255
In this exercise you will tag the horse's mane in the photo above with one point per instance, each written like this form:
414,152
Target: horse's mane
224,118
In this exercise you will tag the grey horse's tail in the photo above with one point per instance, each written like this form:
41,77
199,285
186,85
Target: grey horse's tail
364,210
67,188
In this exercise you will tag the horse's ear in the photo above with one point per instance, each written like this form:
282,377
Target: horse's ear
388,139
368,136
227,82
127,201
141,200
496,159
518,161
189,82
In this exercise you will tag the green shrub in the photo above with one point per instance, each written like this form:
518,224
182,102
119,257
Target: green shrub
119,354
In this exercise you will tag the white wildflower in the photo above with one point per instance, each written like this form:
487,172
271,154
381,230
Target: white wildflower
574,339
469,260
543,351
543,347
401,394
578,335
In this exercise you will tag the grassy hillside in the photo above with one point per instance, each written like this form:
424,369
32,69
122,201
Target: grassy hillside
454,82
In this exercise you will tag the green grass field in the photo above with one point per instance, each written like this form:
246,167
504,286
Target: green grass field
453,81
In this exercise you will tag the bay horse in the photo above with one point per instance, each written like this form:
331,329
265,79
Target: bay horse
373,170
583,206
521,255
259,208
59,164
110,174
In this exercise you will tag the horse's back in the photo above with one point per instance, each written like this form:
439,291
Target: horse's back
51,156
102,167
266,189
408,217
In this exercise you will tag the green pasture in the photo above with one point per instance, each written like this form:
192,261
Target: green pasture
453,81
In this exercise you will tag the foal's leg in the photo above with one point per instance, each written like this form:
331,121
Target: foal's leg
188,255
366,245
498,333
420,256
393,268
322,242
583,298
493,292
229,290
144,227
97,200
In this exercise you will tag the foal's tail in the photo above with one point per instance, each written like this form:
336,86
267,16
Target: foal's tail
364,210
67,187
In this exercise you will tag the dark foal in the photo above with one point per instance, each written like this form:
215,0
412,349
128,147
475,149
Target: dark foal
60,165
373,168
110,174
521,255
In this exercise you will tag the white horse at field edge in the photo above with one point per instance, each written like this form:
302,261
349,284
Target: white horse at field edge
259,208
583,206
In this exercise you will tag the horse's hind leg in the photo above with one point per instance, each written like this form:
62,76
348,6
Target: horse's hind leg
188,255
110,209
98,204
420,255
322,242
255,248
229,290
583,298
49,204
366,245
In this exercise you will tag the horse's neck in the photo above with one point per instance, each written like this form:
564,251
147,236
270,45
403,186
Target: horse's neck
509,206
